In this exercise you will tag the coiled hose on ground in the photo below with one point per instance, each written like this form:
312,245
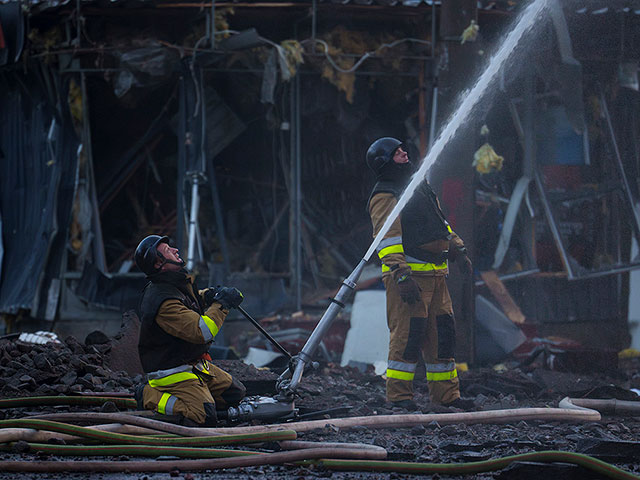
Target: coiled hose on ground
610,405
131,450
368,456
367,462
181,452
469,468
119,438
413,419
377,421
126,419
191,465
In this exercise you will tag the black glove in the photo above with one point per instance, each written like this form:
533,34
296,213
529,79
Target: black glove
228,297
409,290
465,265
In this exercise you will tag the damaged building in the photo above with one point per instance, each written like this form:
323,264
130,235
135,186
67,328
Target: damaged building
239,129
243,139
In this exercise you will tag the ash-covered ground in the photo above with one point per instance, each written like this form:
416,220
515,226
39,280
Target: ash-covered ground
73,367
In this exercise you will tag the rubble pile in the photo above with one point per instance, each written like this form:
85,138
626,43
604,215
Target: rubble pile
58,368
71,367
490,388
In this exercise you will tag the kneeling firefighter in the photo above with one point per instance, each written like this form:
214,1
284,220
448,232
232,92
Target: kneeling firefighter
179,322
414,254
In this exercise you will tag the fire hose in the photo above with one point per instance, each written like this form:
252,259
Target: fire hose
612,405
377,421
413,419
191,465
125,419
330,456
468,468
367,463
182,452
109,437
132,450
120,402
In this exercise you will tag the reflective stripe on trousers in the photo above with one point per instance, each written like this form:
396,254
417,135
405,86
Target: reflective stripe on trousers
162,378
401,370
438,372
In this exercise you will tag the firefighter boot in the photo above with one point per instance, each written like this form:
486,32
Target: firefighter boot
464,404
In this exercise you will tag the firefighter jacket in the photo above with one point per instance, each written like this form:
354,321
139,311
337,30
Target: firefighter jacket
420,240
176,328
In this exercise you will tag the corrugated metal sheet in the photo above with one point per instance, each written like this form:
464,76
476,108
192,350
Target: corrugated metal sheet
37,179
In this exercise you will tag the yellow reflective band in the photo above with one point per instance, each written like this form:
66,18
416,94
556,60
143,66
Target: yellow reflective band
391,249
162,404
449,228
441,376
171,379
211,325
420,267
400,375
424,267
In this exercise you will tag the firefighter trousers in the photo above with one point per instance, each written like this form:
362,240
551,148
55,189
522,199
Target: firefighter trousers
195,398
424,329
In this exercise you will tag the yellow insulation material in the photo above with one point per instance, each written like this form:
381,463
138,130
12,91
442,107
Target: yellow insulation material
342,42
75,102
486,160
293,54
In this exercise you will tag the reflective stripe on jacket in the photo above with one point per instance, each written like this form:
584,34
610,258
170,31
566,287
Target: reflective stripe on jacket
393,248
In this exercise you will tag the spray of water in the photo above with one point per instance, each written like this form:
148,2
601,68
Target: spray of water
470,100
525,23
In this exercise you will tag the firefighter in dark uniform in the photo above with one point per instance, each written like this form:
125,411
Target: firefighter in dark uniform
414,254
178,324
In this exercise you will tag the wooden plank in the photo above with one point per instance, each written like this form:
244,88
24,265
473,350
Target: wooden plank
501,294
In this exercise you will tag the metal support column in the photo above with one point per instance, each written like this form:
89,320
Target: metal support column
195,178
314,14
213,24
294,194
528,232
436,67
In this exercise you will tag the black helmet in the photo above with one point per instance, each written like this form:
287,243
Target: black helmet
381,152
146,255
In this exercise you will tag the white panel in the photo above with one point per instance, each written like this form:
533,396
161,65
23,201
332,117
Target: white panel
368,338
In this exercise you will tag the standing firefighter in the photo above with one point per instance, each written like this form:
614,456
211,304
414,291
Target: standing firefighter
414,254
179,322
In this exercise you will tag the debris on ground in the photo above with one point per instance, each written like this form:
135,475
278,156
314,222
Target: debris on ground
331,391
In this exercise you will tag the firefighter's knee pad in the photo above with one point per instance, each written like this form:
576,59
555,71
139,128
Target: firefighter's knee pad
446,336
